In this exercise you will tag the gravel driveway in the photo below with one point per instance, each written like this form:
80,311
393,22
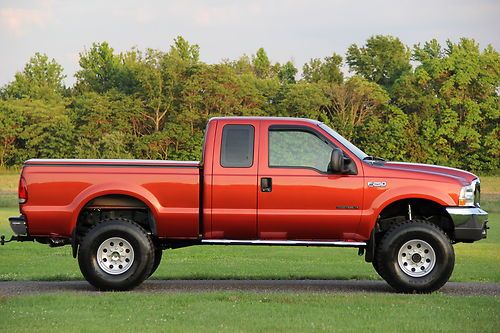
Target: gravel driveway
14,288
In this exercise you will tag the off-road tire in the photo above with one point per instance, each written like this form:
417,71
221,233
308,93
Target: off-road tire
397,255
136,241
158,253
375,266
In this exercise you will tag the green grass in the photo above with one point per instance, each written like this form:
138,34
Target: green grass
9,180
8,188
490,184
249,312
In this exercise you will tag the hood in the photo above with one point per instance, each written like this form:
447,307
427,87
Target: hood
428,171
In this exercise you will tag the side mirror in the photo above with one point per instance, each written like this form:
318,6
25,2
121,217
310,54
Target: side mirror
337,161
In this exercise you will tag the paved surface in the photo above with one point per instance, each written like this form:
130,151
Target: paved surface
13,288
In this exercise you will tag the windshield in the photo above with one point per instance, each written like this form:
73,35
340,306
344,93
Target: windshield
352,148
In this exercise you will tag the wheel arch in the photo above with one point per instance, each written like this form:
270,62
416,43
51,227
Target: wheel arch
408,208
416,208
113,197
133,192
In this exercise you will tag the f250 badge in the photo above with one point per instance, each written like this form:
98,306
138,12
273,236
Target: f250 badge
377,184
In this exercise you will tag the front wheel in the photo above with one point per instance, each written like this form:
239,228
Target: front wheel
158,252
116,254
415,256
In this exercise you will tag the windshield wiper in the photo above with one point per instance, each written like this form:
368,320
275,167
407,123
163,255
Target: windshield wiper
373,158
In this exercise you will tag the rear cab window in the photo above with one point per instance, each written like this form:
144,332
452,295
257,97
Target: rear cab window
237,146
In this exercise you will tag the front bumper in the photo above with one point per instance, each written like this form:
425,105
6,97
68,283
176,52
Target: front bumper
471,223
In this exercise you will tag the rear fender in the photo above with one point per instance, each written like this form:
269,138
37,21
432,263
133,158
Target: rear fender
135,191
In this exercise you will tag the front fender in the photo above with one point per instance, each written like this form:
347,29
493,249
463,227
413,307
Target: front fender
377,199
414,192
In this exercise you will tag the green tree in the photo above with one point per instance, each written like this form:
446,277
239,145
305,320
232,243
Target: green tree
44,129
185,51
305,100
243,65
216,90
453,91
155,104
156,91
287,73
101,119
11,121
352,103
41,78
327,70
382,60
261,64
386,135
100,69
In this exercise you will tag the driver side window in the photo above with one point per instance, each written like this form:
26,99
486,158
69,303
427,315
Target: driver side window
294,148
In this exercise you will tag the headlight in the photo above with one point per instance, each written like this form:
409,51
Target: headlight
466,197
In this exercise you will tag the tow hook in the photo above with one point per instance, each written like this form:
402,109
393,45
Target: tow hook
16,238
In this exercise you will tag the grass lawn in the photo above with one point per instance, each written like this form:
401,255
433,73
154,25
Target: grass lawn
249,312
8,188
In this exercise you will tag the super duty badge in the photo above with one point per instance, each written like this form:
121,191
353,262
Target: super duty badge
377,184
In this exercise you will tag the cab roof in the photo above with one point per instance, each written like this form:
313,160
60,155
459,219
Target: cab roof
278,119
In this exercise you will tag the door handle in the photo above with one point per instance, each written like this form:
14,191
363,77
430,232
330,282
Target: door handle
266,184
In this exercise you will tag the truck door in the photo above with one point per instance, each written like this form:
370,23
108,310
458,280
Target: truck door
298,199
234,180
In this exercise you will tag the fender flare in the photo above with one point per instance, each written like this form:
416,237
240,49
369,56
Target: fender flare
405,193
116,188
382,201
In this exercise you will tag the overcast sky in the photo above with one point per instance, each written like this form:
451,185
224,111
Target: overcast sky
294,30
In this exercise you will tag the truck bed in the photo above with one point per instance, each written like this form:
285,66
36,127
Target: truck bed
59,190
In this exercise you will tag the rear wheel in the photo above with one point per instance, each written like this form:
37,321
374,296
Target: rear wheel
415,256
116,254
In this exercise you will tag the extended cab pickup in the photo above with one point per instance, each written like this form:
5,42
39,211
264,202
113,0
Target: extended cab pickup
262,181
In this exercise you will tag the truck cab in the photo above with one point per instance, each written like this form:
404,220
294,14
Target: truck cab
271,179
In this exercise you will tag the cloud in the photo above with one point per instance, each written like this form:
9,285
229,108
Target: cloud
73,57
138,15
20,21
206,15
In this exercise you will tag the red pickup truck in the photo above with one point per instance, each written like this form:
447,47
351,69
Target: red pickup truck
262,181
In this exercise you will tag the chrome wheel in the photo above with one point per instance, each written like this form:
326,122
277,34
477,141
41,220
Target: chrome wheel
416,258
115,255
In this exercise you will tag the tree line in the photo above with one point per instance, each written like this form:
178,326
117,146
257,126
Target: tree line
430,103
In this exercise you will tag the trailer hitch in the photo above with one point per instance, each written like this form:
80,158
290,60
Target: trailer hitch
16,238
